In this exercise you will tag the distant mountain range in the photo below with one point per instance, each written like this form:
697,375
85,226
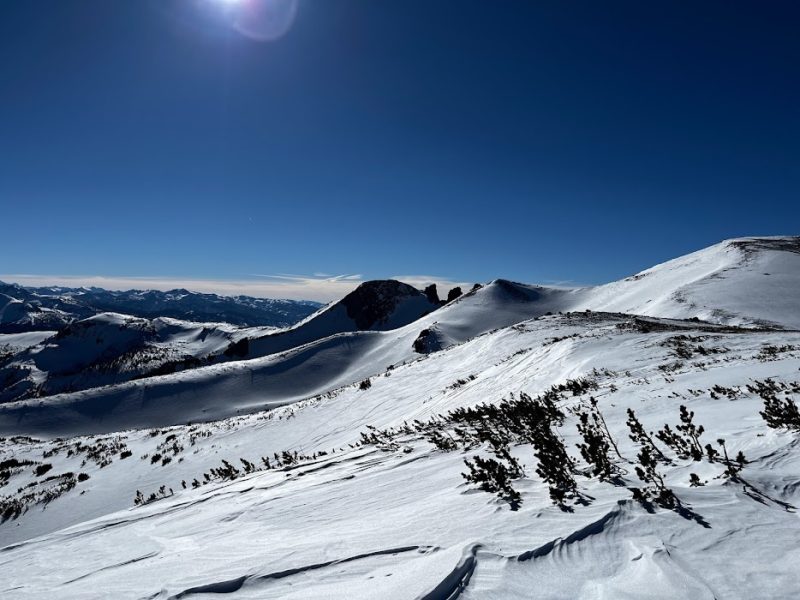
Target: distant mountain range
24,309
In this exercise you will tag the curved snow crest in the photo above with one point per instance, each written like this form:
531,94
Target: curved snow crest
602,525
456,581
621,555
751,281
234,585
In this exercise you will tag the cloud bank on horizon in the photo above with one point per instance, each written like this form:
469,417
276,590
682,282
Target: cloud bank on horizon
320,287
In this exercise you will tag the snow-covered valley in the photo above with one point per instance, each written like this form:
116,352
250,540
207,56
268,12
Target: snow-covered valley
326,460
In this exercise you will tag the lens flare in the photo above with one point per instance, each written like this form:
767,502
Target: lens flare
260,20
265,20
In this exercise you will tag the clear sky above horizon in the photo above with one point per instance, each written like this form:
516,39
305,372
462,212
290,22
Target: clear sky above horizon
467,140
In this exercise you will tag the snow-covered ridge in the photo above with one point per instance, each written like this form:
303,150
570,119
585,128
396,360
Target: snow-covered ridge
744,281
330,349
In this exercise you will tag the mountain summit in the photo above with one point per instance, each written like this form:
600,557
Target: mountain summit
386,304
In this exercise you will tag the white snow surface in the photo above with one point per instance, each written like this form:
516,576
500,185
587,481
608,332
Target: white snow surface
744,281
22,341
401,522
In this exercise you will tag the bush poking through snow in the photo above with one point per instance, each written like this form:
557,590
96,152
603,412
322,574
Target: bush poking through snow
655,490
641,437
42,469
694,480
779,413
686,440
525,420
37,492
379,439
732,467
514,421
555,467
770,352
163,492
442,440
495,476
597,442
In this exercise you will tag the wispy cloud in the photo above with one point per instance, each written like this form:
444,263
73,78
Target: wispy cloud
564,283
314,277
319,287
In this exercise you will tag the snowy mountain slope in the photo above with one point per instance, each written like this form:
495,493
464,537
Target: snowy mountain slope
15,342
338,515
740,281
362,522
32,309
744,281
311,358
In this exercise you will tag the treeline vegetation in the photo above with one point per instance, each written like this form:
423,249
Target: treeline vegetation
537,421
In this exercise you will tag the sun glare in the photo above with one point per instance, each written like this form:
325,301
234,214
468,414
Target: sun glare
263,20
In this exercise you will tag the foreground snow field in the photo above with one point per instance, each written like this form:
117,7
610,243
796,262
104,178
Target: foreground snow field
338,516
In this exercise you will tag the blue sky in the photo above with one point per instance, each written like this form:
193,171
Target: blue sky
539,141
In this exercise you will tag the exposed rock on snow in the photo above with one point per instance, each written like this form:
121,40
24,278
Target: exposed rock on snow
374,304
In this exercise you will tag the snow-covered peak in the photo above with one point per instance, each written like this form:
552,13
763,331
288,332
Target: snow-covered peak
385,304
